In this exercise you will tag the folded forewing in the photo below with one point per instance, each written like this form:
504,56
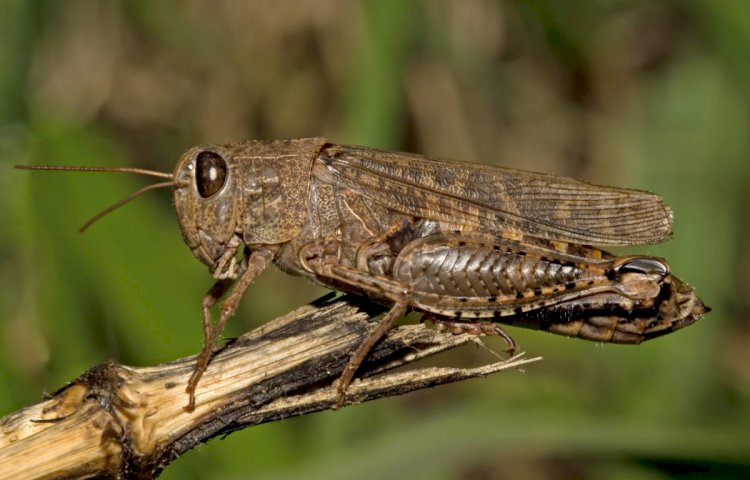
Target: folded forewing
498,199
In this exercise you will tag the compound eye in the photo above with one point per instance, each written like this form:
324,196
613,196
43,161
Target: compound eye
645,265
210,173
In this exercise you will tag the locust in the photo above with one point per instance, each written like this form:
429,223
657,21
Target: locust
470,246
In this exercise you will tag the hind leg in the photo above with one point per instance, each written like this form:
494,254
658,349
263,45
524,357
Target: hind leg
478,329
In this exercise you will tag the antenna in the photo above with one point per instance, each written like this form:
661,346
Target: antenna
66,168
140,171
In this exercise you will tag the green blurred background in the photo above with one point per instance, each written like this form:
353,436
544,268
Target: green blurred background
648,94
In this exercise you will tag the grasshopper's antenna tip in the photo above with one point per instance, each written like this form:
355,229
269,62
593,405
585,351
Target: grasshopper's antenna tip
70,168
122,202
140,171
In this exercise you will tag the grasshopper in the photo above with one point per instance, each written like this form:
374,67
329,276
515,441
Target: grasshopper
470,246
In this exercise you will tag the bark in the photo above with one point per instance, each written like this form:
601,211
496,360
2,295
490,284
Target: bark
116,421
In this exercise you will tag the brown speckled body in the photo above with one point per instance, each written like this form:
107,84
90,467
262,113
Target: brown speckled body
463,243
470,246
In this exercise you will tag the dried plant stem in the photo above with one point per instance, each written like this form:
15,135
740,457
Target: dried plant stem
116,421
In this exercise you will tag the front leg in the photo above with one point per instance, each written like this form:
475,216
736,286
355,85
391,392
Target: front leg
252,265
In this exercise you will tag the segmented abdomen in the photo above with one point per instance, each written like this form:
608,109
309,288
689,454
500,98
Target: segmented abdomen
592,295
483,276
471,271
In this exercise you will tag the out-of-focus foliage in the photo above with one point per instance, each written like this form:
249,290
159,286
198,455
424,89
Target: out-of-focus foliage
647,94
